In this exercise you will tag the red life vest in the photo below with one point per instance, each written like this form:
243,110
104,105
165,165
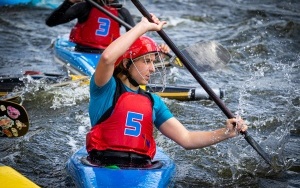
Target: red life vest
129,128
98,31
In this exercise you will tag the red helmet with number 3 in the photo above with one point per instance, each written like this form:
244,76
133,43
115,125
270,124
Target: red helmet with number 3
143,45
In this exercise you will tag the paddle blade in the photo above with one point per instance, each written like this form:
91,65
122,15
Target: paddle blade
178,62
14,120
207,56
257,147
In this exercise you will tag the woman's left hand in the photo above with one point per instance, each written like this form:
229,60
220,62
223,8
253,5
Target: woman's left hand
164,48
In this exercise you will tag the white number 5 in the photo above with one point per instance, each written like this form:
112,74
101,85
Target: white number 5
133,126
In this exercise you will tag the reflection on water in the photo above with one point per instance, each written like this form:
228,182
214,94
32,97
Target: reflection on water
261,84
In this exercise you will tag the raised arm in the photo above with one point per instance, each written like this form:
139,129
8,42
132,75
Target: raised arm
105,67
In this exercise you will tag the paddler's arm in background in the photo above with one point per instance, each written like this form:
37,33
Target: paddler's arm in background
174,130
64,13
125,15
75,1
105,68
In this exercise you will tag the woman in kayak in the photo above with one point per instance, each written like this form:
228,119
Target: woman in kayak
123,116
94,30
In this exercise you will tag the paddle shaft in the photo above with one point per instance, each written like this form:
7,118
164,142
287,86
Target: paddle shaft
117,19
201,81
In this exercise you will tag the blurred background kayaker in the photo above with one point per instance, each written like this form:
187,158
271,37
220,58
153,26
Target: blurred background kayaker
94,30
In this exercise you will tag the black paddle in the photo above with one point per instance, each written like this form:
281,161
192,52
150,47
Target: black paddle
209,55
14,120
192,68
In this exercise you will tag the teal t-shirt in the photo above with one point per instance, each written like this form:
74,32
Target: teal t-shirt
101,98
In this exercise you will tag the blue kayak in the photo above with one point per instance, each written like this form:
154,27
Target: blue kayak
85,175
13,2
79,63
52,4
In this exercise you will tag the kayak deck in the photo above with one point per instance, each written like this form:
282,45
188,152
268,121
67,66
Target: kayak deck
10,178
89,176
79,63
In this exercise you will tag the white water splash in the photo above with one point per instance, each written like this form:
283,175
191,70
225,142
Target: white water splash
85,126
68,96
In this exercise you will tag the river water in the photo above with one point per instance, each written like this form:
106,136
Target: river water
262,85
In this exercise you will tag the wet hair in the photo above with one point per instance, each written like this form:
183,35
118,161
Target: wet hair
120,69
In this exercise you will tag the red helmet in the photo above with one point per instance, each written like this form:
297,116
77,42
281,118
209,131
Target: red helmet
143,45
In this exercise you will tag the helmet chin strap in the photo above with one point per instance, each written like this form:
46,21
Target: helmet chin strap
130,79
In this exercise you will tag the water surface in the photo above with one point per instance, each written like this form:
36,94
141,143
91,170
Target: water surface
261,84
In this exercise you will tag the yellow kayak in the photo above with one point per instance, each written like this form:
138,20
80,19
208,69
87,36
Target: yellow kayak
10,178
